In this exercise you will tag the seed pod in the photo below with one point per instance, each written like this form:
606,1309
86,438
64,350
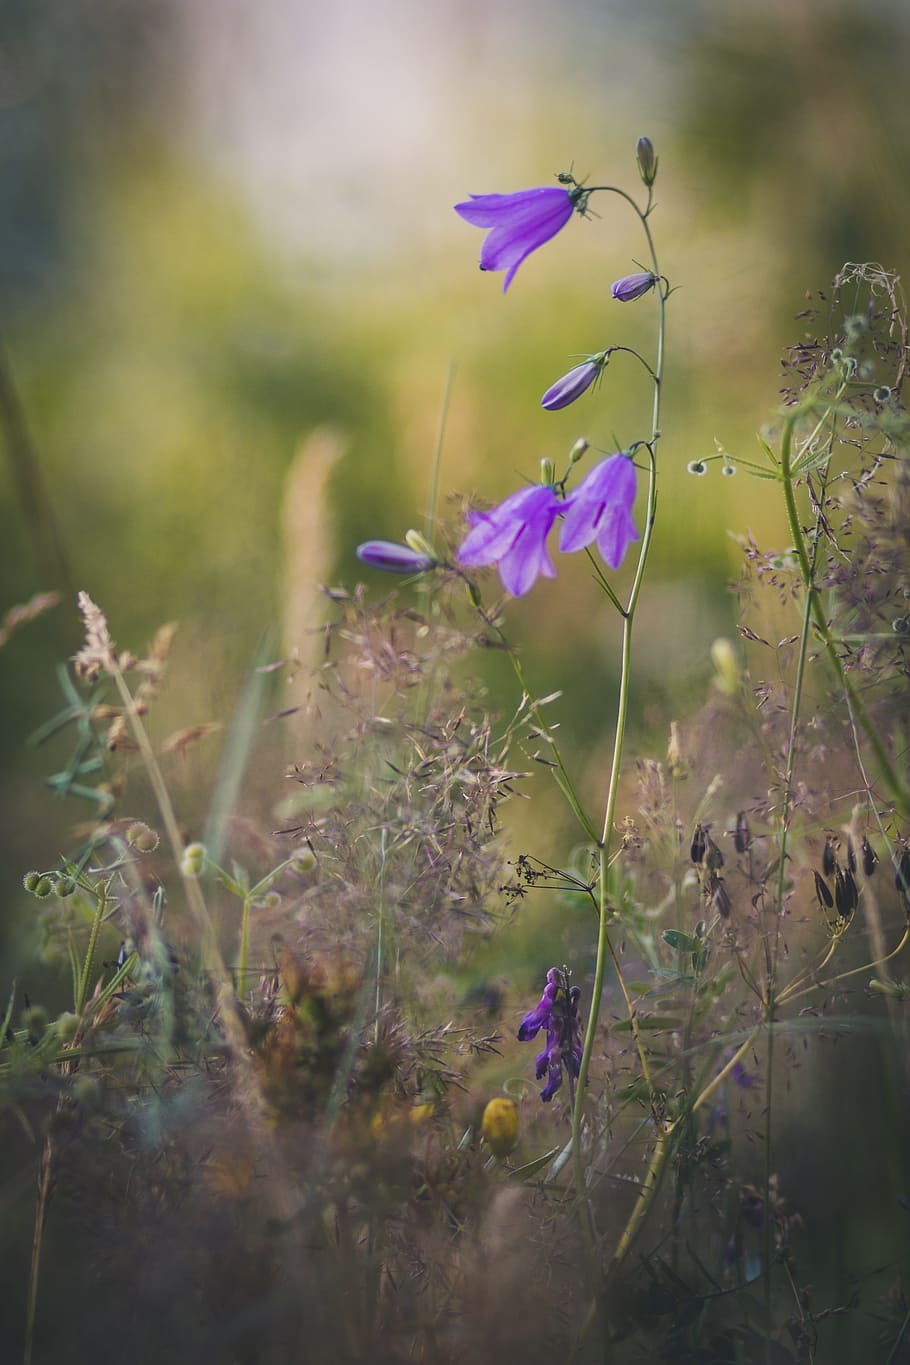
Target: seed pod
851,856
720,898
828,859
699,845
821,890
742,839
714,859
902,880
870,857
846,897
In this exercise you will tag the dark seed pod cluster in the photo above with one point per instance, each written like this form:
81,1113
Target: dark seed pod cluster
846,892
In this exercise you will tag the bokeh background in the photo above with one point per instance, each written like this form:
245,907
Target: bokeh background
234,295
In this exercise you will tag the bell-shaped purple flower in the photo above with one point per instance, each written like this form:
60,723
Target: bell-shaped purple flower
392,557
633,286
601,509
519,223
514,536
573,384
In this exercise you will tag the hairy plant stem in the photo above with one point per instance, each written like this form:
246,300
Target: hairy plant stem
605,947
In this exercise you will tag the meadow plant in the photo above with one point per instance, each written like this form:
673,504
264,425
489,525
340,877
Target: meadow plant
269,1103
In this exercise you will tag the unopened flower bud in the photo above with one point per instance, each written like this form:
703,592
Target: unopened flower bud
419,544
579,449
304,860
35,1020
193,861
393,558
647,161
574,383
727,677
632,287
547,472
67,1026
500,1126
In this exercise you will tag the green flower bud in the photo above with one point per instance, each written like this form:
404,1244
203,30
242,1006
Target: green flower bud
304,860
35,1019
578,450
419,544
647,161
67,1026
64,887
192,863
547,471
724,658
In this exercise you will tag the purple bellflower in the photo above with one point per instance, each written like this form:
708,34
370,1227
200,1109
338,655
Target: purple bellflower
514,536
519,223
601,509
557,1011
393,558
573,384
633,286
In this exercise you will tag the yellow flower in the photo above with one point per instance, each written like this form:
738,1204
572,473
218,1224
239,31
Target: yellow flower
500,1126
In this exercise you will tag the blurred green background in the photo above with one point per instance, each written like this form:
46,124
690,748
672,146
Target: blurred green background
233,289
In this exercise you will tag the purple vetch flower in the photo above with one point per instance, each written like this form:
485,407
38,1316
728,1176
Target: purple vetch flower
519,223
576,382
601,509
514,536
633,286
746,1080
392,557
557,1011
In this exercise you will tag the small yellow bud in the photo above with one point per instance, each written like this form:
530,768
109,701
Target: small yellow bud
727,677
500,1126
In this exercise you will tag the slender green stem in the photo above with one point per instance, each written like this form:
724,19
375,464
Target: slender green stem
605,947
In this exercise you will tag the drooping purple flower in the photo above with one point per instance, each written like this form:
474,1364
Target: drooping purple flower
601,509
633,286
573,384
519,223
539,1016
392,557
746,1080
558,1011
514,536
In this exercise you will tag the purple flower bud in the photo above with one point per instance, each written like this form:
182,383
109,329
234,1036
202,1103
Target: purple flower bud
633,286
393,558
573,384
